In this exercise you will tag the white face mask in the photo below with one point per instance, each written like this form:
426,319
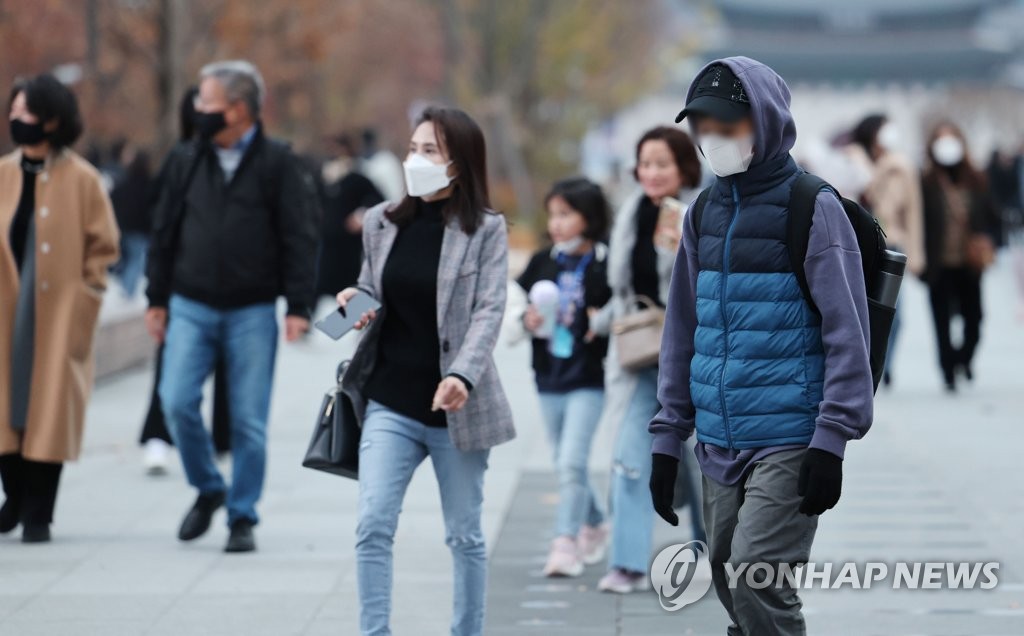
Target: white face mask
423,177
948,150
569,246
888,136
727,155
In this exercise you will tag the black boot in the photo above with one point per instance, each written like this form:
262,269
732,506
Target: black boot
11,475
198,519
35,533
241,539
950,377
10,516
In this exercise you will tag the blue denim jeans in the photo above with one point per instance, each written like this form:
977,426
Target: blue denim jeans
572,419
631,506
132,265
247,339
391,448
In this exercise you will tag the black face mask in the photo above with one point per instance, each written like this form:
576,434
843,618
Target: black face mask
209,124
27,134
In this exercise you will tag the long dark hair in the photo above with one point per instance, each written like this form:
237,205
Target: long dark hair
683,151
585,197
963,174
462,141
865,133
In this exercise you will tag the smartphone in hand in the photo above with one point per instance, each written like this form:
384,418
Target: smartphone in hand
339,322
668,232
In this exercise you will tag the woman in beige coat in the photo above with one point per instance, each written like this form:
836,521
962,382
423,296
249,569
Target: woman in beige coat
894,196
57,238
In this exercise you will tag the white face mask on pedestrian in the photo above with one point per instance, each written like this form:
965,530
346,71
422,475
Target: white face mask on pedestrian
948,150
569,246
423,177
727,155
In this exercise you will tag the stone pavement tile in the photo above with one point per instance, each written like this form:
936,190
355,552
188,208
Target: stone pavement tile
268,576
134,569
11,599
96,607
75,627
231,614
28,577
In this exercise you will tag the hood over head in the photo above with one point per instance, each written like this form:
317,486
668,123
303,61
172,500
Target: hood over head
774,128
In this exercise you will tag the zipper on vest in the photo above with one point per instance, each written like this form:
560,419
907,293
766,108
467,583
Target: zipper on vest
725,321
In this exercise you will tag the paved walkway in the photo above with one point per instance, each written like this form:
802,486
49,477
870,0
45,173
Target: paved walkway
937,479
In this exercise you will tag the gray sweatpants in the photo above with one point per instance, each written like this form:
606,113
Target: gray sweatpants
757,521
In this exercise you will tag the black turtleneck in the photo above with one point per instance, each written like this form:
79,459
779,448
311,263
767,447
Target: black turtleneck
408,366
26,205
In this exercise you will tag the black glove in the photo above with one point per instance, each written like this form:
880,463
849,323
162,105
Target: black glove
663,482
820,482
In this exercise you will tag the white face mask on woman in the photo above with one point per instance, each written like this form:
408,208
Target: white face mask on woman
948,150
727,155
423,177
888,136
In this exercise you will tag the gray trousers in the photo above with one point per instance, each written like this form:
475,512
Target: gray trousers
757,521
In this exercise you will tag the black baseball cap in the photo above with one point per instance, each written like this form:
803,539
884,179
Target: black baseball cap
719,94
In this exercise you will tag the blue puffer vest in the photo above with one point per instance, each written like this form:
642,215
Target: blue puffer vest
758,367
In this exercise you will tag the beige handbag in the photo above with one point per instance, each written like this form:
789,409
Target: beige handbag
638,336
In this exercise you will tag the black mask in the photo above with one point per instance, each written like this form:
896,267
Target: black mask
27,134
209,124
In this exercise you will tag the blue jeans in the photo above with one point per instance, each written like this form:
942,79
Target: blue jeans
391,448
132,265
572,419
247,339
632,509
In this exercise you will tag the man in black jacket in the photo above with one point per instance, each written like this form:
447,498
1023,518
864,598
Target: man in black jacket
235,227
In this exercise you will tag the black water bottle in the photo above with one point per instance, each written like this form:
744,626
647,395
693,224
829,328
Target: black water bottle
890,277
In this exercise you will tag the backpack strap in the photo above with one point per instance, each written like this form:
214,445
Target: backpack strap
698,208
798,226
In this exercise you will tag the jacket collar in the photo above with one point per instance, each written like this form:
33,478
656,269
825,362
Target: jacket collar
55,157
454,245
253,139
758,178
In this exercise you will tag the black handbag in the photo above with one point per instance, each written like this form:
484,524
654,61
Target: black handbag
334,447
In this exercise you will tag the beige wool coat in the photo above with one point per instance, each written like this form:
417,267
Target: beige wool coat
76,241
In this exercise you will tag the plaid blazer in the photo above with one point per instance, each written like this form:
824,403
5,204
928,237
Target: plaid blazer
471,286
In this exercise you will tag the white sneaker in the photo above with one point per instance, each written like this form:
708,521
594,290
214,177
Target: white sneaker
155,457
619,581
563,560
593,543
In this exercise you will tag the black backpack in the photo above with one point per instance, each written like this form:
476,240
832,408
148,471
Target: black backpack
870,239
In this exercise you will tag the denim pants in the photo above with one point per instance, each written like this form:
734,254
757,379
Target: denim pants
572,419
758,521
246,338
132,265
391,448
632,509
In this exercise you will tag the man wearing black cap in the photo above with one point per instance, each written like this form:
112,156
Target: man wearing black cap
773,389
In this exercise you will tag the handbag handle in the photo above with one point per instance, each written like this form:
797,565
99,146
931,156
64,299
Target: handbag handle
646,301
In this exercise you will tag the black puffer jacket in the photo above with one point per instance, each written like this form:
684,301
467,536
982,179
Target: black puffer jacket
236,243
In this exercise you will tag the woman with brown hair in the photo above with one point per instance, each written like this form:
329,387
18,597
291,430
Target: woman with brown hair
959,217
58,238
438,263
638,267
